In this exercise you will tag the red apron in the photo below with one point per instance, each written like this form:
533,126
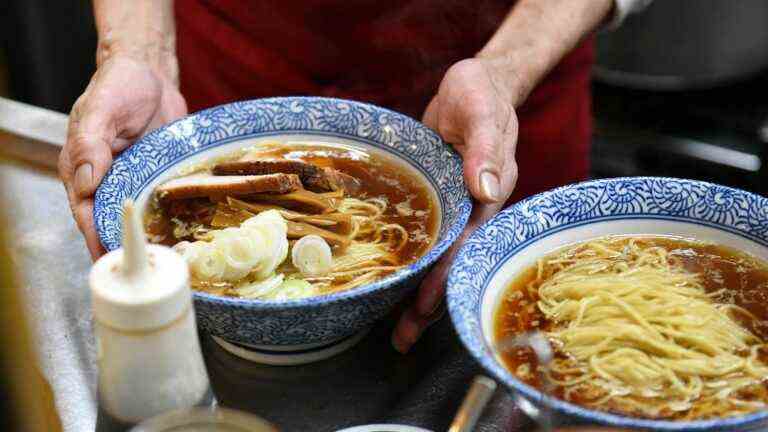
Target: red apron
391,53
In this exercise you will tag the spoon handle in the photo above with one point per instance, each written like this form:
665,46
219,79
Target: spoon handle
478,396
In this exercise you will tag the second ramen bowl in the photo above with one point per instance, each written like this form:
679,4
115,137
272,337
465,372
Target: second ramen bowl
294,331
518,236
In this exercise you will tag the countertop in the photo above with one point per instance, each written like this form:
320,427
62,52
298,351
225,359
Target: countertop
370,383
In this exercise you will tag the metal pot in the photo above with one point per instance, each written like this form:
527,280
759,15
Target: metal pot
685,44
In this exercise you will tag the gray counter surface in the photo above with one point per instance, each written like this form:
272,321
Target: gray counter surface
371,383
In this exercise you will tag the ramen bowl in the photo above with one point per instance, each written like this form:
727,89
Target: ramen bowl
514,239
303,330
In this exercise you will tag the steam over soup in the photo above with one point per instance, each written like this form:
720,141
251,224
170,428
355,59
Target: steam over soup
653,327
284,221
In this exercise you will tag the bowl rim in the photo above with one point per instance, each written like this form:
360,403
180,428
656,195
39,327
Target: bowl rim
451,233
489,362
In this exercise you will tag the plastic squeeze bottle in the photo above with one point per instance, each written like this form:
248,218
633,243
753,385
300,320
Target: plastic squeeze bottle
148,351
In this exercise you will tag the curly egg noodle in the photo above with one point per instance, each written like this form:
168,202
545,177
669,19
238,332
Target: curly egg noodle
638,333
373,251
354,218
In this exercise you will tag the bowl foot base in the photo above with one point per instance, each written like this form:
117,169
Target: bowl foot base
290,355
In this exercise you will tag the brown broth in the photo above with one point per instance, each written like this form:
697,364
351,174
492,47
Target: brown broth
744,276
385,178
381,176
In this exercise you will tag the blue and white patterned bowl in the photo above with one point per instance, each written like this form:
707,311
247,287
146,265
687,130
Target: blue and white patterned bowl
516,237
311,323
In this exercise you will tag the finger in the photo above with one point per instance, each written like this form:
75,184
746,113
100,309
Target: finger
485,153
83,212
433,287
172,107
84,160
431,114
88,149
468,121
508,179
509,144
411,325
428,302
406,331
120,144
173,104
432,290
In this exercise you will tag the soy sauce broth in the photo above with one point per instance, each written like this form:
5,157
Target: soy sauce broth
412,201
744,276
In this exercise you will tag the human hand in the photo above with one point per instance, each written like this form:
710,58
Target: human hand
125,99
474,111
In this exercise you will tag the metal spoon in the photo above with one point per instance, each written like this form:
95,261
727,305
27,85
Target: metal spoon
474,402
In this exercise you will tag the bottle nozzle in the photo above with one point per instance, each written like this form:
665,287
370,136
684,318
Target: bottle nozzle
135,260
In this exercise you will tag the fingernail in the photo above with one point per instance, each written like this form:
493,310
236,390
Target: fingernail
83,179
489,185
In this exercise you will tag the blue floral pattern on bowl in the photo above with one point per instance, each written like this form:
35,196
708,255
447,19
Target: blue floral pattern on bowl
508,233
307,321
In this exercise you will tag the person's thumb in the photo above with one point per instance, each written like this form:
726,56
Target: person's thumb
489,137
88,151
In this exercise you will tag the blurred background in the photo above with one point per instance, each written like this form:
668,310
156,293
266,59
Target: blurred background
679,90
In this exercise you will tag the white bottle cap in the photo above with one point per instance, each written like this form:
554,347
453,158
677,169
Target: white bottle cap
139,287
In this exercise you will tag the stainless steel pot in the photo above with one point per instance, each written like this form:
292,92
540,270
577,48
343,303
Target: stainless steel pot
684,44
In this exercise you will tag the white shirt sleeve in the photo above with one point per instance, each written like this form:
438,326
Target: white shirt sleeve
622,8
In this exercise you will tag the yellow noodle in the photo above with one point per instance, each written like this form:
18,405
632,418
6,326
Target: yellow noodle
642,335
371,252
361,280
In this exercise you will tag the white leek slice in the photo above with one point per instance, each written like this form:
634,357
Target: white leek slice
257,247
275,248
270,218
241,251
212,265
261,289
273,230
205,261
295,289
312,256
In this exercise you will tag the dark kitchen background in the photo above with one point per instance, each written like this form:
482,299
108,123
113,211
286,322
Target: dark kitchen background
680,90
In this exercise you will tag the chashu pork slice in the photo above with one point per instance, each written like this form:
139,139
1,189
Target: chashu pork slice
205,185
312,177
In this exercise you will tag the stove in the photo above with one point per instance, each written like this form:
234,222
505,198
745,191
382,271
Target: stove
718,135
